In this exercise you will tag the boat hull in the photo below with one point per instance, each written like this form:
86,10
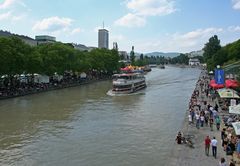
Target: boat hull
128,83
130,90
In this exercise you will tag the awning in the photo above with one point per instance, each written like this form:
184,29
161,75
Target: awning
231,83
236,126
227,93
216,86
234,109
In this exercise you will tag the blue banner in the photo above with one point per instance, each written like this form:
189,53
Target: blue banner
219,76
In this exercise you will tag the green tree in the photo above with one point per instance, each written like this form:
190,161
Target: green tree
211,47
181,59
33,62
219,58
12,54
132,57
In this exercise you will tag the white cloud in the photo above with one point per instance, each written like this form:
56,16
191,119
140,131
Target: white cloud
117,38
76,31
7,3
151,7
141,9
236,4
131,20
11,12
11,17
53,24
234,28
179,42
200,33
19,17
5,16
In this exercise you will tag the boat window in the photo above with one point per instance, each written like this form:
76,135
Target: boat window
122,86
123,77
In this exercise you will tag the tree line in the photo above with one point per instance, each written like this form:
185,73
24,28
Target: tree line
145,60
215,54
17,57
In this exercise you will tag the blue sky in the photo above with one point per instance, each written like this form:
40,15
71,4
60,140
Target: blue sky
149,25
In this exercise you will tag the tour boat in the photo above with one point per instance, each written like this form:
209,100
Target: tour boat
161,66
128,83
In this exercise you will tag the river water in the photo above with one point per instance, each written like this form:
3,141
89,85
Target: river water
84,126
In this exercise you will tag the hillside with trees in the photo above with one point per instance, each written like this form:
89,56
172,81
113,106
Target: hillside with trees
215,54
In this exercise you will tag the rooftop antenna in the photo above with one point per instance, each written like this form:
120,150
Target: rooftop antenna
103,24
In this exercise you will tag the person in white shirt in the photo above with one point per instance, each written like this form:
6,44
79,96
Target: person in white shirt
190,118
197,116
214,147
202,120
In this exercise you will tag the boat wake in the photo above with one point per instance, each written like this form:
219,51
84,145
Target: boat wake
140,92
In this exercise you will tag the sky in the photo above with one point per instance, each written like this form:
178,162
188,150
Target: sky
148,25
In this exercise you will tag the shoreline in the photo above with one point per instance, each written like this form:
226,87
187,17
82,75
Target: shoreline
53,88
183,155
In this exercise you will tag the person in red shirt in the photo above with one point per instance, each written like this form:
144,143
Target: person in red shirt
207,145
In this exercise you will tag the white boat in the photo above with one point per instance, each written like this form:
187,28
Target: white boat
128,83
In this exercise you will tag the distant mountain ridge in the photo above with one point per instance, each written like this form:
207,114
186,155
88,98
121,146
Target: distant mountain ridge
168,54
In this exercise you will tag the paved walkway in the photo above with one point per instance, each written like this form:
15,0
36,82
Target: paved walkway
183,155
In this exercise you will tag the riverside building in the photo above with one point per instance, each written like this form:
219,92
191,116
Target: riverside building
42,39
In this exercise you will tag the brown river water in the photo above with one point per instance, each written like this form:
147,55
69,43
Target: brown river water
84,126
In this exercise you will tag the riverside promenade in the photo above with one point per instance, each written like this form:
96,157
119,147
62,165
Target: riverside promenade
183,155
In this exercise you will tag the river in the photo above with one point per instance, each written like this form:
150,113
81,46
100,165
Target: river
86,127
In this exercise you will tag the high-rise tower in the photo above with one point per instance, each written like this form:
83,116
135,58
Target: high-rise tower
103,38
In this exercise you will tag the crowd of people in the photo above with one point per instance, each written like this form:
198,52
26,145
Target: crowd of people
13,87
204,112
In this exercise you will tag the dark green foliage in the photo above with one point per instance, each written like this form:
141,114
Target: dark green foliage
132,57
223,56
16,57
211,47
181,59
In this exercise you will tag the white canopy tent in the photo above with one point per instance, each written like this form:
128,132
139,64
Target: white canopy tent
234,109
227,93
236,126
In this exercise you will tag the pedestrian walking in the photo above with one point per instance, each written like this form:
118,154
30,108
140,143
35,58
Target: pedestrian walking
214,147
211,123
218,121
216,107
207,145
202,120
197,116
238,147
190,118
193,115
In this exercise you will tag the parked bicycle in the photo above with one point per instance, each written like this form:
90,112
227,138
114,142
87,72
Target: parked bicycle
188,140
